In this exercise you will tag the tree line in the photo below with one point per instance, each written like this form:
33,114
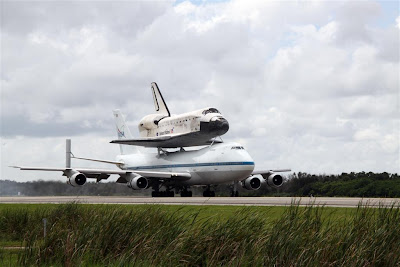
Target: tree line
361,184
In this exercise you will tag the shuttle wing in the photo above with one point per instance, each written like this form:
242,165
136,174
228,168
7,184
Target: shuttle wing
171,141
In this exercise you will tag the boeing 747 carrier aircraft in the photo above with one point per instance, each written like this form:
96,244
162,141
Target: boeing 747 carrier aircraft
168,173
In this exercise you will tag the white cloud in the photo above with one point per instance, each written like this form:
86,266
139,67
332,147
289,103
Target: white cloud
185,8
390,143
367,134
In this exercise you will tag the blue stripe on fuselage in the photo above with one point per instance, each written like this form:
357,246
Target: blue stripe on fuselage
192,165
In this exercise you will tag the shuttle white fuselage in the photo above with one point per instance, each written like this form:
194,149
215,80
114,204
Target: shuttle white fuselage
208,122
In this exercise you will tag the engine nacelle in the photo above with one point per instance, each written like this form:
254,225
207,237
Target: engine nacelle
138,183
252,183
274,180
77,179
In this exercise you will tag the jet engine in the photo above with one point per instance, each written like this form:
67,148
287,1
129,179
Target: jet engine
252,183
77,179
274,180
138,182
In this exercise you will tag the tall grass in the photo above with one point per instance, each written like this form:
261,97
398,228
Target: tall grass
152,236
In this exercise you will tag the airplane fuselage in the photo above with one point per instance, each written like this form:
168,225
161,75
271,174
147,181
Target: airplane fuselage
216,164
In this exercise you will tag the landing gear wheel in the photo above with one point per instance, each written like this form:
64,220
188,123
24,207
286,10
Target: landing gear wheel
209,193
186,193
234,193
162,194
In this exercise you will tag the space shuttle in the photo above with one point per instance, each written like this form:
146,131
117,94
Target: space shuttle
163,130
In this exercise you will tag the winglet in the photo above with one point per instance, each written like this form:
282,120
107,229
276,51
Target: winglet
159,103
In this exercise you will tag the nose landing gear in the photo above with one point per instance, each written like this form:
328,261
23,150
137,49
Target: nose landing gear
235,192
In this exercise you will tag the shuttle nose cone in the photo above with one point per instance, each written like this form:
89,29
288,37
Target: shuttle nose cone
219,126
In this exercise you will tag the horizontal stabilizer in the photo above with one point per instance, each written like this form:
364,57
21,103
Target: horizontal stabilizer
25,168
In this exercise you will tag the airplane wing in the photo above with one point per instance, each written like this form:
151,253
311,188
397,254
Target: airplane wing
173,141
270,171
100,174
118,163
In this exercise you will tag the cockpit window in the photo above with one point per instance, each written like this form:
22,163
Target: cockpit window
210,110
237,147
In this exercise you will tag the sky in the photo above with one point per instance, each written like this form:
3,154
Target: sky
307,85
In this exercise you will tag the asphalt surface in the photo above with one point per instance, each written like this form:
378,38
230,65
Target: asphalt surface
240,201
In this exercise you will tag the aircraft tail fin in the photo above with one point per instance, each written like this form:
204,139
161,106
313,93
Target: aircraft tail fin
123,132
159,103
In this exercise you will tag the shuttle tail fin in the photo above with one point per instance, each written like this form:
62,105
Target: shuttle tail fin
159,103
123,133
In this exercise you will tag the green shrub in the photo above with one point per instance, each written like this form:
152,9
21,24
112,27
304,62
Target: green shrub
86,235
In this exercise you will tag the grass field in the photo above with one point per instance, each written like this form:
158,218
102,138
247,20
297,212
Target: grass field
155,235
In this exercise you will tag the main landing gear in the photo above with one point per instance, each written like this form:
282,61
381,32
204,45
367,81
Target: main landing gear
162,194
208,192
157,193
235,192
185,192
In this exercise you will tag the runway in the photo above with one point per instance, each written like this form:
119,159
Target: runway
239,201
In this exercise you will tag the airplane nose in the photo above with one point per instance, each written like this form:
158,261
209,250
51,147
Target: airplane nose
219,125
